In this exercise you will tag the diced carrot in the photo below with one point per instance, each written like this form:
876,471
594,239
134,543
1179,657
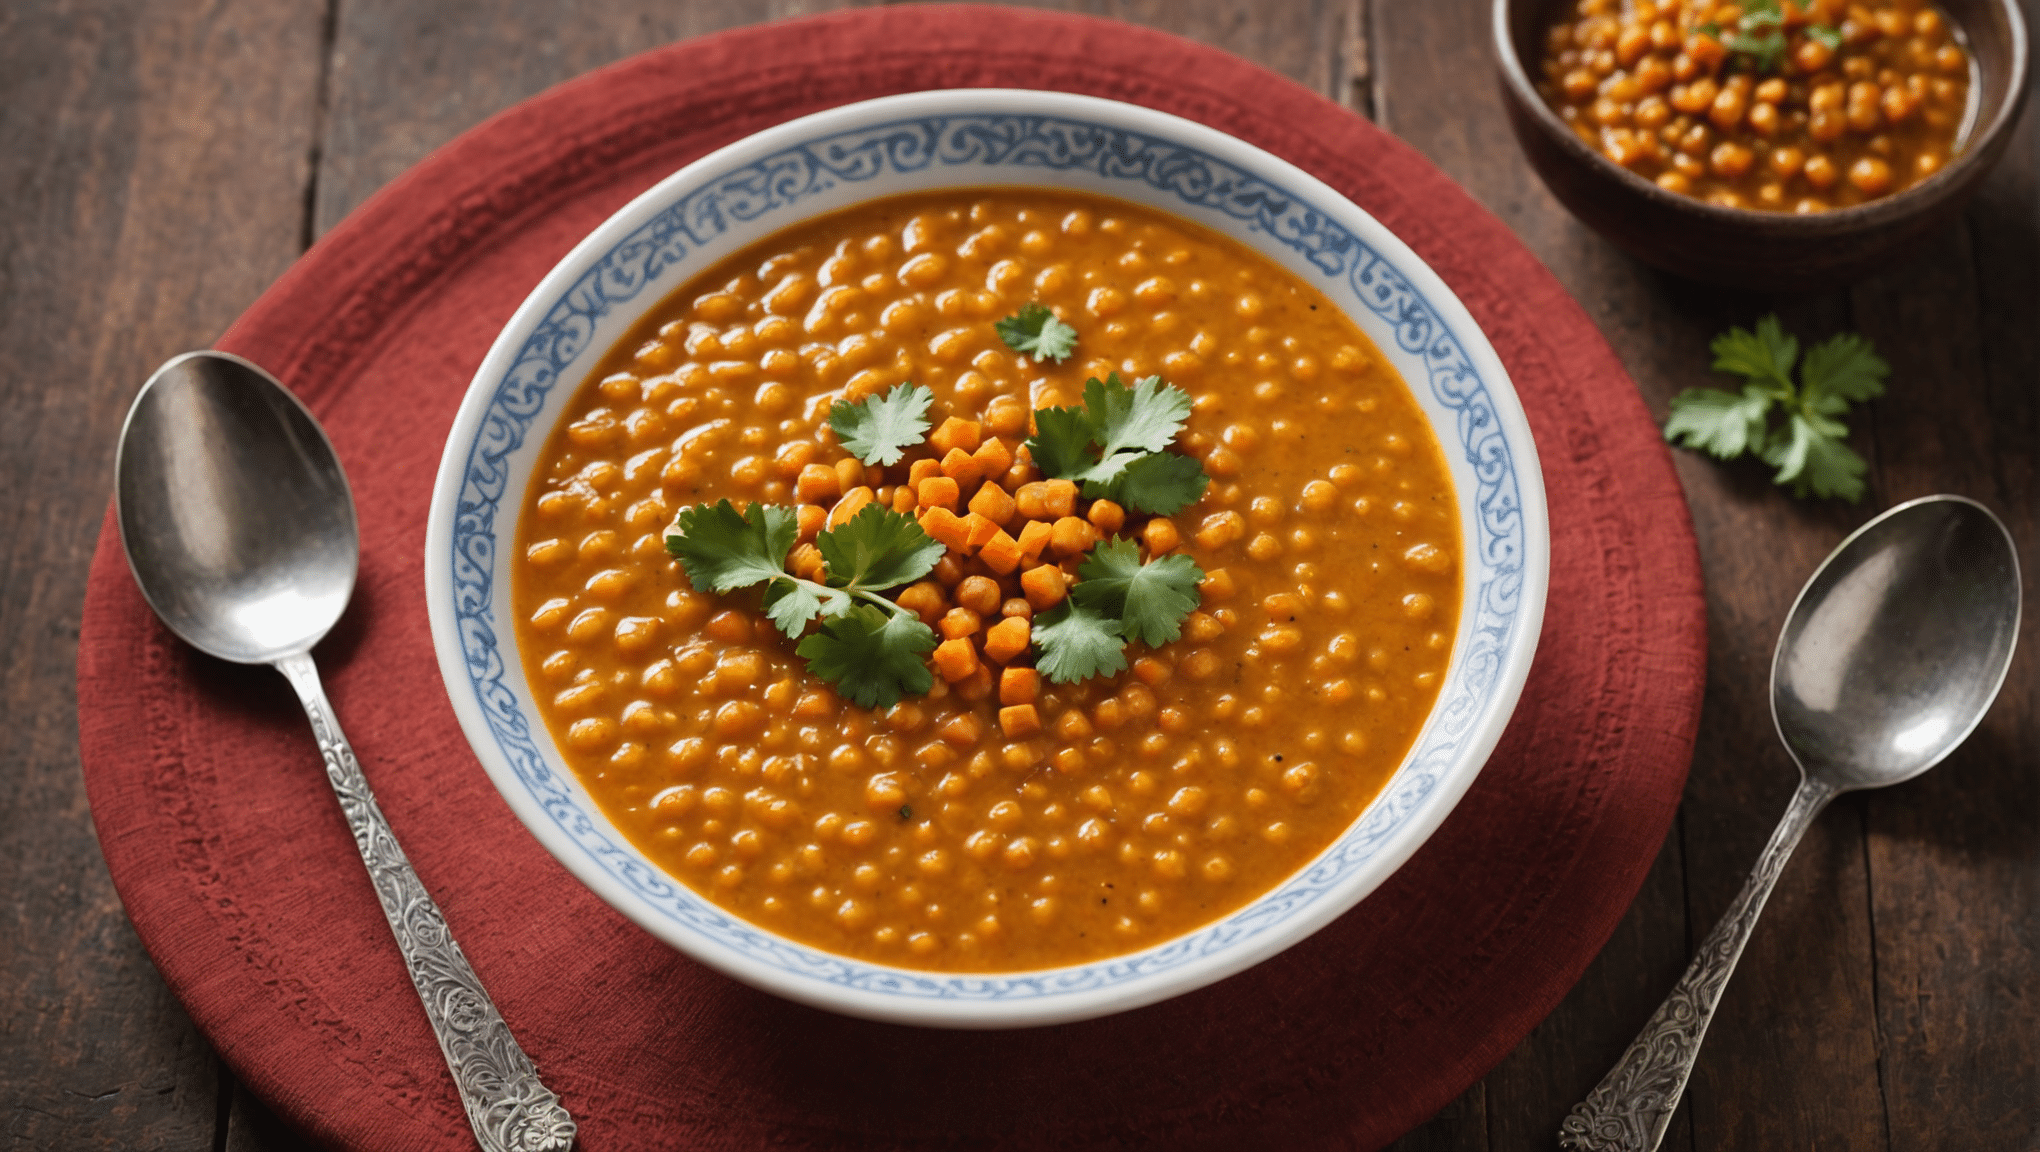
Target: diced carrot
981,531
1106,517
959,624
920,470
1044,586
1032,500
1007,639
945,526
1001,553
955,433
1034,536
956,659
806,562
1019,721
1019,686
993,503
1071,536
1060,496
816,483
937,492
995,457
962,467
810,518
852,502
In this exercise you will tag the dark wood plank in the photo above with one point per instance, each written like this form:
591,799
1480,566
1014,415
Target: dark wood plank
154,156
1954,857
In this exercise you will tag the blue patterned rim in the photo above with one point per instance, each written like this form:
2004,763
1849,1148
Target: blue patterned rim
978,145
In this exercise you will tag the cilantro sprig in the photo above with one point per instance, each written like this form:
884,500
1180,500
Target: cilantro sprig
1130,429
1116,600
1758,37
867,646
1035,330
880,429
1809,447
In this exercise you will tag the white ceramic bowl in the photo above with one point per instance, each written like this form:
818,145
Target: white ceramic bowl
967,138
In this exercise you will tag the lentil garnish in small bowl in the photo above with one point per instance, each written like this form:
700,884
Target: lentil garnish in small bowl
1763,144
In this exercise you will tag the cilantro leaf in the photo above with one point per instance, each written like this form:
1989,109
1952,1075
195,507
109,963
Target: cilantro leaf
878,549
1036,330
1061,440
879,429
791,603
1830,38
723,550
1844,367
871,656
1163,483
1077,643
1722,423
1143,418
1149,599
1765,356
1810,449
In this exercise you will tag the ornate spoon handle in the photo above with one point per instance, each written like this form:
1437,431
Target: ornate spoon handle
1630,1108
510,1110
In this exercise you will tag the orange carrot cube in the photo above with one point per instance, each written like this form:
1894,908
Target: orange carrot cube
920,470
995,457
852,503
1060,496
1019,721
1019,686
1001,553
962,467
810,518
981,531
956,659
959,624
1034,536
993,503
1007,639
955,434
938,492
816,483
945,526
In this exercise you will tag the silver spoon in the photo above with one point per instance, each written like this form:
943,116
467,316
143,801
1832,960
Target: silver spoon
1889,659
240,529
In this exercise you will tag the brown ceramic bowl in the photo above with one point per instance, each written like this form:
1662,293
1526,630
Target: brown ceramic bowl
1745,248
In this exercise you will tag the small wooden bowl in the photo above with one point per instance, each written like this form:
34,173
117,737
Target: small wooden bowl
1743,248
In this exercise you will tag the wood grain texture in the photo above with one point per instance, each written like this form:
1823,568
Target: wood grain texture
1887,1001
154,160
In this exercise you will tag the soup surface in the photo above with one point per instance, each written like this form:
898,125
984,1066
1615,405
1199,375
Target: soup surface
1000,820
1779,105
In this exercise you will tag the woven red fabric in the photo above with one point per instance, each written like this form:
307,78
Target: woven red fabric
242,879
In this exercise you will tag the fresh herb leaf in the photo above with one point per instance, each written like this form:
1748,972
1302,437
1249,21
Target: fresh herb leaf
1810,449
1143,418
1150,600
1036,331
1163,483
723,550
880,429
878,549
1829,37
1077,643
790,603
1061,442
872,657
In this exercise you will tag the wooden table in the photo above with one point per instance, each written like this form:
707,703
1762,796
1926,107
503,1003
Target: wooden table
163,161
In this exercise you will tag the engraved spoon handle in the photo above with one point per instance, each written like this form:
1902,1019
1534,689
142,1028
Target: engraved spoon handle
510,1110
1630,1108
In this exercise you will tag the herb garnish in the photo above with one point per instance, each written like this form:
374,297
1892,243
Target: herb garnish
880,429
871,650
1759,35
1808,449
1116,599
1036,330
1131,429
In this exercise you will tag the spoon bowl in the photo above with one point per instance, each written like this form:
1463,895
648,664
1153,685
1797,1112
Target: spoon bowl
235,513
1888,660
1898,644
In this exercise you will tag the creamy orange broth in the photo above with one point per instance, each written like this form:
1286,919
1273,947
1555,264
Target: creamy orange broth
942,833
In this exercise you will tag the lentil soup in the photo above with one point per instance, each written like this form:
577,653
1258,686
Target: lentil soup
1000,821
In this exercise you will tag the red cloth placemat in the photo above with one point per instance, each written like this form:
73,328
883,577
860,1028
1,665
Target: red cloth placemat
242,879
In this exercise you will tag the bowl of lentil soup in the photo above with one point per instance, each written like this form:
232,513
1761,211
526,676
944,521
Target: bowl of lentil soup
1768,144
1357,569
